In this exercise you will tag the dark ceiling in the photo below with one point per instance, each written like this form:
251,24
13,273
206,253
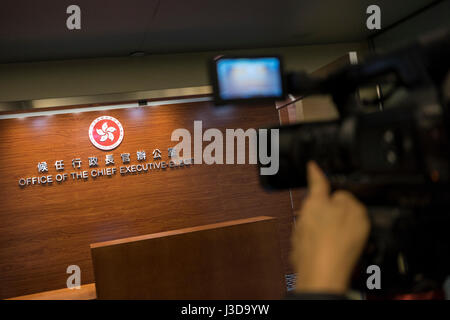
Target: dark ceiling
36,30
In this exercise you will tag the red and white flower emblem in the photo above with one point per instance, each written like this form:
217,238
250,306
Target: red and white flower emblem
106,133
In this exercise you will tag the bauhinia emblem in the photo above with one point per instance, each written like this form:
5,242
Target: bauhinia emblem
106,133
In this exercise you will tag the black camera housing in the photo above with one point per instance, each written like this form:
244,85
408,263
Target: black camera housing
396,161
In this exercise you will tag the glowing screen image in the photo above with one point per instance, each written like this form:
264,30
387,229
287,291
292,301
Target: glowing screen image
243,78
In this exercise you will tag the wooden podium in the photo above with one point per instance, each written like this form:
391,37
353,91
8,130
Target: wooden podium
231,260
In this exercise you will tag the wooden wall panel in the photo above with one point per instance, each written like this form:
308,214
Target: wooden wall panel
43,229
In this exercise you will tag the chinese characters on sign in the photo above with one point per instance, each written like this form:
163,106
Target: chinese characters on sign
155,162
42,167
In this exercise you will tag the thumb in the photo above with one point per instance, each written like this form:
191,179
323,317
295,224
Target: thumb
317,181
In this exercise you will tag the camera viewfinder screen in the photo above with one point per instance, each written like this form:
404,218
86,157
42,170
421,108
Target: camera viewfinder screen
246,78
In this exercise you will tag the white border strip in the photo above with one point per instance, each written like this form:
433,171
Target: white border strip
101,108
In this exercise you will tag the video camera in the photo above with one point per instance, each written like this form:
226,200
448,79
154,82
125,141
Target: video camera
395,160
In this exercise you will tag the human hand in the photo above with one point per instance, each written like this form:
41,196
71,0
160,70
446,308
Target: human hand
330,234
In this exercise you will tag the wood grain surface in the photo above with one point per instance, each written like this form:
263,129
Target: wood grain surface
85,292
237,259
46,228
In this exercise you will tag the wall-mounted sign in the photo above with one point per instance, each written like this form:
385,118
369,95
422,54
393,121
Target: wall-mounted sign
106,133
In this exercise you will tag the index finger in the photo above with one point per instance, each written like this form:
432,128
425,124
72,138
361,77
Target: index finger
318,185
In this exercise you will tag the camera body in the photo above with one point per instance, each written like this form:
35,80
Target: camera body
401,148
395,160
